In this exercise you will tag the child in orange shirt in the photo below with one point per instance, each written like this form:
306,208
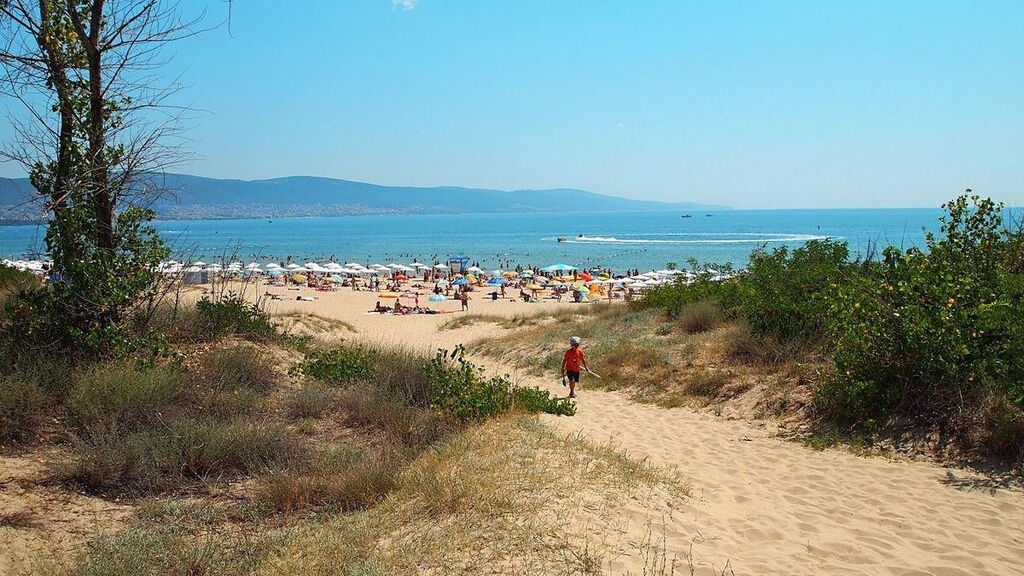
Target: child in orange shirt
572,362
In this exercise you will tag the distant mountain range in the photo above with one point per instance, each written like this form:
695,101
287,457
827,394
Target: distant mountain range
195,197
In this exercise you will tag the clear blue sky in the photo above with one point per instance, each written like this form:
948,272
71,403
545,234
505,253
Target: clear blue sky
746,103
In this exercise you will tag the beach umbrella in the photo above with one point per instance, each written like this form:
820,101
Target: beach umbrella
496,282
274,272
273,265
437,298
460,282
199,263
441,284
586,276
510,273
401,277
440,266
418,265
474,269
496,273
534,286
526,274
582,289
337,279
471,278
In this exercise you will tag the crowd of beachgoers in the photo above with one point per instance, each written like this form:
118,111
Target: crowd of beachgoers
435,282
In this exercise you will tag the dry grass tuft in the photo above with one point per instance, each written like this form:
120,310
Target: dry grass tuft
21,519
699,317
338,480
310,401
490,501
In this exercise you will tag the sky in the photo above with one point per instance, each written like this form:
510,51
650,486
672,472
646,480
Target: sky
751,104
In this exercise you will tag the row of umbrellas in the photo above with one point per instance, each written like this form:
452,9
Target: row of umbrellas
25,265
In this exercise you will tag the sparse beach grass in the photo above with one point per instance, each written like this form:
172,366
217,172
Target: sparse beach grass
694,358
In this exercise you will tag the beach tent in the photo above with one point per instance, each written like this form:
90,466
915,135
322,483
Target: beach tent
437,298
458,263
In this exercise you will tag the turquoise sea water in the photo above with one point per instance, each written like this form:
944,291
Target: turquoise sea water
642,240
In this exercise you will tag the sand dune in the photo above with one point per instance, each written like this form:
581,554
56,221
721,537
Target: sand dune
770,506
762,505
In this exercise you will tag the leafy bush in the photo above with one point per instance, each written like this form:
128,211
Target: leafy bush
704,286
233,314
336,366
786,293
924,332
461,389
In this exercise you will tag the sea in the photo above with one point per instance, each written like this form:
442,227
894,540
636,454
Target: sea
621,240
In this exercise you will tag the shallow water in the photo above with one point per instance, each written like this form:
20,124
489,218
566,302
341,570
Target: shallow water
642,240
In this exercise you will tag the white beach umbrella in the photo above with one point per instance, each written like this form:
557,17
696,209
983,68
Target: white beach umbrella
273,265
496,273
293,266
474,269
440,266
199,263
254,266
418,265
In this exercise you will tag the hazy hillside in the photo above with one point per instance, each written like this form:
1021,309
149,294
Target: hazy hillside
197,197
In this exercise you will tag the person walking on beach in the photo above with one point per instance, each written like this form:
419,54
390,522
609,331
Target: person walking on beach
572,361
464,298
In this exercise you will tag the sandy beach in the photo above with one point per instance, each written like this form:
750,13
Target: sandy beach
762,504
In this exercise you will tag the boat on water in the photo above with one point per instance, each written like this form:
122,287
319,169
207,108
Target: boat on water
686,216
563,238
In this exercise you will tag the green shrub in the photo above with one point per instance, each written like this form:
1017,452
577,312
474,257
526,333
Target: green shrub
704,286
336,366
535,400
120,395
460,388
929,333
232,314
786,293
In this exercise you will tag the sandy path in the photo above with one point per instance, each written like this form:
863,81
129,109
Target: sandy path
770,506
763,504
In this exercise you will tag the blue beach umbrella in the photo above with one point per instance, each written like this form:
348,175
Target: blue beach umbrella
496,281
460,282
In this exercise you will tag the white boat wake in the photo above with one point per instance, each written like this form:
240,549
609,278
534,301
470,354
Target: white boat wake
693,238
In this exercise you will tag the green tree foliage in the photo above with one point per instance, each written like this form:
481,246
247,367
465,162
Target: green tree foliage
929,330
86,155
